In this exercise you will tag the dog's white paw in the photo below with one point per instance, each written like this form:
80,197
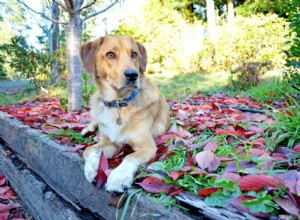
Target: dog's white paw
121,178
91,166
90,128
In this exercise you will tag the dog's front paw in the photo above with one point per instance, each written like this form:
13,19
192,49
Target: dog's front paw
91,166
121,178
92,127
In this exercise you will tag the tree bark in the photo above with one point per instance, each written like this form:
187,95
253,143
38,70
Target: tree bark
211,19
73,41
230,11
54,40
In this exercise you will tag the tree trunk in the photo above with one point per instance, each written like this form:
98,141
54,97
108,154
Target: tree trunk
54,40
211,19
230,11
73,41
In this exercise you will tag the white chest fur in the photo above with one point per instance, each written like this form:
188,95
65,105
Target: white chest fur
106,119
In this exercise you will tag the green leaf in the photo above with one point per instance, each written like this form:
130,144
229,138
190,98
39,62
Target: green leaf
262,204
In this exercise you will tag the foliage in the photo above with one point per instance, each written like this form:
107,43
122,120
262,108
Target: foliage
262,203
294,50
29,62
291,76
286,130
258,38
284,8
169,39
248,75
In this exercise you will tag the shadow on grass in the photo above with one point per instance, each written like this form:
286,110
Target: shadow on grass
182,85
178,86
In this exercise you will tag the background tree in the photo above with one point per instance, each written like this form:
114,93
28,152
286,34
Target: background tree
78,12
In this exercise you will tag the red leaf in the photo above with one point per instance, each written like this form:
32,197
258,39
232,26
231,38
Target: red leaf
65,140
207,191
256,152
189,161
288,205
256,182
292,180
156,185
296,148
101,176
232,177
176,175
76,148
241,117
207,160
2,180
4,189
4,208
211,146
50,131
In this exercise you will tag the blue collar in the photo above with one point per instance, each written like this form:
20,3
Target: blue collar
124,102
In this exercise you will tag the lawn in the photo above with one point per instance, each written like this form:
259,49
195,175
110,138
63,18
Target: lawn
172,86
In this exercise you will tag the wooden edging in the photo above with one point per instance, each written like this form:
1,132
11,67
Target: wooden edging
63,173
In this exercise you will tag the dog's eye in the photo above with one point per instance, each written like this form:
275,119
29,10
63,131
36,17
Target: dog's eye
133,55
110,55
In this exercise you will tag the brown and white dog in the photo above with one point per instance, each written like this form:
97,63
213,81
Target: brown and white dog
127,107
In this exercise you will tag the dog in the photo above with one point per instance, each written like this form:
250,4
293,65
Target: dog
127,107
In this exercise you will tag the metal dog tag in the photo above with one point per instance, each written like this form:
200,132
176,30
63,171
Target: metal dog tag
119,121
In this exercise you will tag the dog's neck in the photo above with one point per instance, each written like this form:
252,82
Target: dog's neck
118,103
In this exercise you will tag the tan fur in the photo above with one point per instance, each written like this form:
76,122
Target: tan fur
144,118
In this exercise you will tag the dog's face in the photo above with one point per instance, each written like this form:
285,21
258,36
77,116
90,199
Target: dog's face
117,62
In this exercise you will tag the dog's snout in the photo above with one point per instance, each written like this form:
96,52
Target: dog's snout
131,74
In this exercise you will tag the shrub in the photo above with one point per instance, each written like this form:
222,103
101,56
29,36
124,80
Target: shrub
30,63
248,75
258,39
169,39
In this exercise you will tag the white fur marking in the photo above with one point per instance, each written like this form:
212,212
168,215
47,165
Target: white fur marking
121,177
91,166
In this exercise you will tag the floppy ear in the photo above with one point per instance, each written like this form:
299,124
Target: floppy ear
144,57
88,55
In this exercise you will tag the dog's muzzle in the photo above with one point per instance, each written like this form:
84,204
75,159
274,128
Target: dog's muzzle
131,75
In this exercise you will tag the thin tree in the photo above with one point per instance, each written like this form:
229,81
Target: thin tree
230,11
75,10
211,19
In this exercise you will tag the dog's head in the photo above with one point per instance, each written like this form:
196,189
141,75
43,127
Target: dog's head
118,62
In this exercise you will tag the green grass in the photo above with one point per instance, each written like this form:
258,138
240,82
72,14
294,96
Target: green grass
178,86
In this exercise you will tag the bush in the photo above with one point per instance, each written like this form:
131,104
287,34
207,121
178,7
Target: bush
169,39
258,39
30,63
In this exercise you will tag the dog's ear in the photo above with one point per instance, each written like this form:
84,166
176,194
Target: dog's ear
144,57
88,55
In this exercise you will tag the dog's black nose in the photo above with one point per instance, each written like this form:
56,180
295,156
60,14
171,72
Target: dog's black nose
131,74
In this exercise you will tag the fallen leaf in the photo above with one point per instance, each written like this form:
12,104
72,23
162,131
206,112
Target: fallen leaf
156,185
101,176
2,180
207,191
211,146
256,182
288,205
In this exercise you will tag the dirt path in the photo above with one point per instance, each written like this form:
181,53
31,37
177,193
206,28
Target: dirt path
11,85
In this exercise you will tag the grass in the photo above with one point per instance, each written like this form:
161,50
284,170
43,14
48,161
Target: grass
176,86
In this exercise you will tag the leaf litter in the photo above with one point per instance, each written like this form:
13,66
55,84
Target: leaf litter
220,153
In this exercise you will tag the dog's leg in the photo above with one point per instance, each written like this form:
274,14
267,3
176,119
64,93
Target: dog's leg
90,128
121,178
92,156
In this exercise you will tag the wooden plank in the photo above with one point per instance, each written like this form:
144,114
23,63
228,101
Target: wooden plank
63,172
40,200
